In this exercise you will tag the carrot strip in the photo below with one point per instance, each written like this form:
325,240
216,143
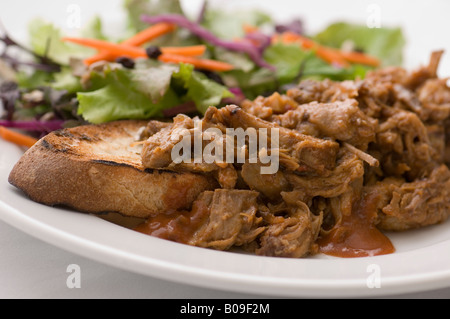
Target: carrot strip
17,138
291,37
100,56
138,39
112,48
206,64
331,56
149,34
116,50
194,50
362,58
134,52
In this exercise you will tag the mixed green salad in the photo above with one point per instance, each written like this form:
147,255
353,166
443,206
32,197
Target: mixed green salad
167,62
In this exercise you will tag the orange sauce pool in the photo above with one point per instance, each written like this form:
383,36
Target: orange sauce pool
178,226
356,235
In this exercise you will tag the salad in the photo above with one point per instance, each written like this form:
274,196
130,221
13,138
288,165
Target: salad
167,62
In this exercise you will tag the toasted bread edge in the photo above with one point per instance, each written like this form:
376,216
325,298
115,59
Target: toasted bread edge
54,177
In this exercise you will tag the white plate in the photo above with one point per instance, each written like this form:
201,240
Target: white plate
422,261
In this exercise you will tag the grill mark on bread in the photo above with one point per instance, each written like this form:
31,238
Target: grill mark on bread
47,145
64,133
111,163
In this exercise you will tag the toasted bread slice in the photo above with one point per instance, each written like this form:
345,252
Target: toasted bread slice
98,169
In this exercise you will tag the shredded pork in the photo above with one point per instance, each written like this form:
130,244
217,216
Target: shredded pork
387,135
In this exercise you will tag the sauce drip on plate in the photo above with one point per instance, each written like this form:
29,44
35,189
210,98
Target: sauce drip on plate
178,226
356,235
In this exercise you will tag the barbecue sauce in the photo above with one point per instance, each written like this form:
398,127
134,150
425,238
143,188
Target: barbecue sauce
178,226
356,235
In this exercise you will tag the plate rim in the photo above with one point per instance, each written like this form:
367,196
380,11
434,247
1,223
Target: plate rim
242,283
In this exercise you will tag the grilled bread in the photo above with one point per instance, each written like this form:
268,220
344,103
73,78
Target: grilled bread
98,169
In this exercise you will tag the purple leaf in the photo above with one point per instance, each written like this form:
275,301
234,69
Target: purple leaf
244,47
34,125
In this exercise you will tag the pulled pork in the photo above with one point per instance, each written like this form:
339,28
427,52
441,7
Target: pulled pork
355,158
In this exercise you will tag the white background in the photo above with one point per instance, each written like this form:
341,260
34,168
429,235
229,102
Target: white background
30,268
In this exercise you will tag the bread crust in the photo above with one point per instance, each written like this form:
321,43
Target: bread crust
97,169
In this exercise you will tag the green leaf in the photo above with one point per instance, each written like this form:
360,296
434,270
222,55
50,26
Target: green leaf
94,29
239,60
316,68
206,93
287,59
203,91
65,80
119,93
385,43
154,81
229,25
135,8
116,102
33,80
260,81
114,94
46,40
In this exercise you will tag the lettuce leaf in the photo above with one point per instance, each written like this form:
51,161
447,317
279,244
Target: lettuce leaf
385,43
36,79
292,64
316,68
115,96
118,93
200,89
94,29
45,40
229,25
154,81
135,8
288,60
115,102
66,81
260,81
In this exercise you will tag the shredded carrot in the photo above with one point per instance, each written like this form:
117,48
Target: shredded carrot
330,55
361,58
291,37
16,137
100,56
168,56
149,34
206,64
194,50
112,48
138,39
116,50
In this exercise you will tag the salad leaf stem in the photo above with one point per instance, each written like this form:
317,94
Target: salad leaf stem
44,63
